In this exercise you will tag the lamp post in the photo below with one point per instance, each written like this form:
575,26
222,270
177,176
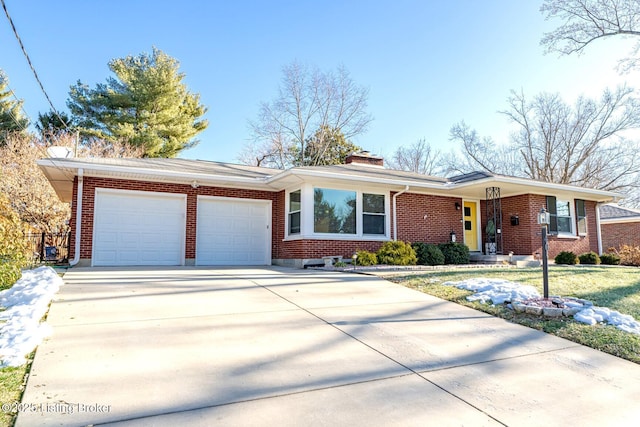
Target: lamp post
354,258
543,220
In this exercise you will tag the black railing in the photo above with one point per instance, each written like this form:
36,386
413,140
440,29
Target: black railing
50,247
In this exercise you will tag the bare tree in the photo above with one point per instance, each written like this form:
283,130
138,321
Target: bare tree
309,100
419,157
30,194
96,147
585,21
481,154
584,144
581,144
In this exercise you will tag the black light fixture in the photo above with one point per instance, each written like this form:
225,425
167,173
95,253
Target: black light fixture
458,206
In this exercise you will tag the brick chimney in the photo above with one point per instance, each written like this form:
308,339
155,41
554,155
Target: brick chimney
364,158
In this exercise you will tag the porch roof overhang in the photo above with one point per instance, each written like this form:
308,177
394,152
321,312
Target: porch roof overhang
360,175
512,186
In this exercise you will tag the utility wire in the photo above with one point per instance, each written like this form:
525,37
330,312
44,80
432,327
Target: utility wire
20,103
24,51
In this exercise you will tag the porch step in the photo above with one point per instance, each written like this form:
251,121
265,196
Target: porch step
480,258
520,261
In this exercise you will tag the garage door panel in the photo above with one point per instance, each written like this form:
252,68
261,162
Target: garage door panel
233,232
138,228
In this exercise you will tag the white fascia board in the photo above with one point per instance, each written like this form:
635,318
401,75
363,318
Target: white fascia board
302,174
547,187
92,169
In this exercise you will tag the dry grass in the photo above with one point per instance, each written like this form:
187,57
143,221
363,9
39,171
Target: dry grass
617,288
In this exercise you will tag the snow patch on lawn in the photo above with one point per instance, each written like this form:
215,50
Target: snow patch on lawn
499,291
496,290
22,307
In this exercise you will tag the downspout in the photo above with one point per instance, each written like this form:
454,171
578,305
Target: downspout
599,228
395,216
76,253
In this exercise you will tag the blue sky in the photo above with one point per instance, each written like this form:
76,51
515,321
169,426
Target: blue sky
427,64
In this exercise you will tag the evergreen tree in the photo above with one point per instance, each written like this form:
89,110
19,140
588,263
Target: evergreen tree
146,104
11,117
52,124
328,146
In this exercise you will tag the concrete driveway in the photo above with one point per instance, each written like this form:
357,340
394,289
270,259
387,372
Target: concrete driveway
275,346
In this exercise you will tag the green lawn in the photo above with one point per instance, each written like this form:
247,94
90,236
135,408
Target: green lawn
11,388
617,288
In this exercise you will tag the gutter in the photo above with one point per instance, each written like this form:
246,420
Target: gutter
76,253
599,228
395,216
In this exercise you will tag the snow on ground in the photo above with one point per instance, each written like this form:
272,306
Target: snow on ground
21,309
497,291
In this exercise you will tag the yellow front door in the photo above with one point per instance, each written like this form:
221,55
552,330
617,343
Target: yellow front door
471,226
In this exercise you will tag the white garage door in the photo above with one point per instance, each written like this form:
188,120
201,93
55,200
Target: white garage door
138,228
233,231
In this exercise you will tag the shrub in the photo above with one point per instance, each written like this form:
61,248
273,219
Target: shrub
397,253
566,257
589,258
629,255
610,259
366,258
454,253
428,254
13,247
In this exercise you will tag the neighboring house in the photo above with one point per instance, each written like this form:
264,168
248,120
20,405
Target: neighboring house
192,212
620,226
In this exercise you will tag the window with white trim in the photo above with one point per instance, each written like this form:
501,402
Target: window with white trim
334,211
581,214
294,212
373,214
560,216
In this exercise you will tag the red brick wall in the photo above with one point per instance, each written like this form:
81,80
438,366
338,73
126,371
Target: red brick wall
441,218
616,235
309,249
427,218
525,238
90,184
421,218
521,239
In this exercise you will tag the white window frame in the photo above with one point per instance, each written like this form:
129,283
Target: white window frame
289,212
577,219
572,217
385,215
307,209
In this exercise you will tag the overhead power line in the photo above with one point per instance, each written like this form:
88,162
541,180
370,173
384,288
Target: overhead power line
15,119
24,51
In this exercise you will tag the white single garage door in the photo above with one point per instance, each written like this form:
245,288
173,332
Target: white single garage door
138,228
233,231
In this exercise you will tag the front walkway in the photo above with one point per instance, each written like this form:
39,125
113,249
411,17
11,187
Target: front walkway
274,346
